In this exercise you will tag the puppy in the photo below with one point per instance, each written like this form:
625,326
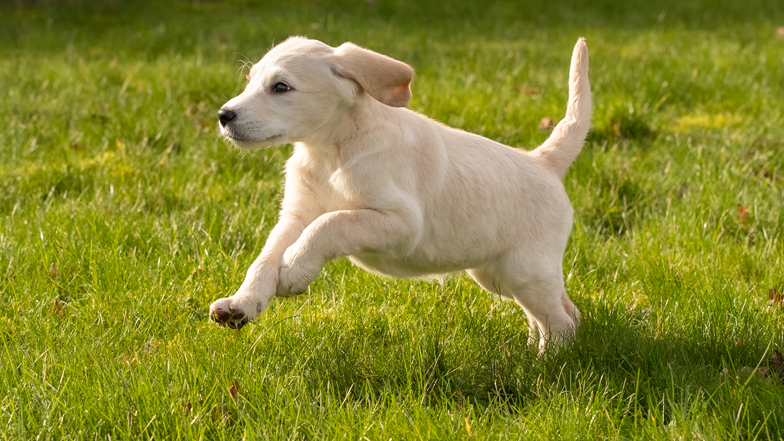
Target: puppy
398,193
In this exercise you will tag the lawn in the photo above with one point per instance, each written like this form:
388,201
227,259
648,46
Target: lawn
123,215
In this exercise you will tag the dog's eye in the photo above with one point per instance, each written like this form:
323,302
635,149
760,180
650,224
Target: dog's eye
281,87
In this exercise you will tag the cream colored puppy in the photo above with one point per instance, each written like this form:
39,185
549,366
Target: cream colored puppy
398,193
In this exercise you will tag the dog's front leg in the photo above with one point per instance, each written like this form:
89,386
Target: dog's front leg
341,233
261,280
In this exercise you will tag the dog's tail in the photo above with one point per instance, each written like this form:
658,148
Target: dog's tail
568,137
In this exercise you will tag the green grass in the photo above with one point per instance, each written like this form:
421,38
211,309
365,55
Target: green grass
122,216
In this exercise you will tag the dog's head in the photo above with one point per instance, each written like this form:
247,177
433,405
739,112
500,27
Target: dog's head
302,86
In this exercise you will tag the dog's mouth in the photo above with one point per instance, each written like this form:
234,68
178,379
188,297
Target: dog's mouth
243,141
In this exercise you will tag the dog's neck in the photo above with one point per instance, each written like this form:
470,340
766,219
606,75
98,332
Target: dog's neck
343,135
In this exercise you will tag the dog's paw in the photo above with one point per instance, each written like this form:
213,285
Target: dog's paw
227,312
248,302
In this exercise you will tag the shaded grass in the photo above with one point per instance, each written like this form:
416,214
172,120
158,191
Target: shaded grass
122,216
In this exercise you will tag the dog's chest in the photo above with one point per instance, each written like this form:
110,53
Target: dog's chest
341,182
337,189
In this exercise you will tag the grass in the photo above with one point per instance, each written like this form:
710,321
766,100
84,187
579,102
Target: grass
122,216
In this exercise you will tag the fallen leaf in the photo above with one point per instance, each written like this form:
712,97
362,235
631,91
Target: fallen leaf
528,90
683,190
770,174
773,176
221,414
54,271
777,362
764,371
546,124
58,307
743,214
774,296
127,361
234,389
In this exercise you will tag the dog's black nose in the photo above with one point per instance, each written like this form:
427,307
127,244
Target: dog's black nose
226,116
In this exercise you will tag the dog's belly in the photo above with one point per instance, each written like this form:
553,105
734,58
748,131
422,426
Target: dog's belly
410,266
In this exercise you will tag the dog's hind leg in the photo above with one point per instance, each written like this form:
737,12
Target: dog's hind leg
546,302
492,284
536,284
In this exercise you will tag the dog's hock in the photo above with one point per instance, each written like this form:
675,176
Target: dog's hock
382,77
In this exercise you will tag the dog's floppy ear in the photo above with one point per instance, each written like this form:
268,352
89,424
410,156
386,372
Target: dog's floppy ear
384,78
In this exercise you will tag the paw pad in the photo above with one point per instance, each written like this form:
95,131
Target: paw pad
233,318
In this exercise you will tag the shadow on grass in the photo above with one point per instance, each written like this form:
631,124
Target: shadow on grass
619,356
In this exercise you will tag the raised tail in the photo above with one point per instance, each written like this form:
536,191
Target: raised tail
568,137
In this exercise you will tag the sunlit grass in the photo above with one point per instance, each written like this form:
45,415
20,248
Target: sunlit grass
122,216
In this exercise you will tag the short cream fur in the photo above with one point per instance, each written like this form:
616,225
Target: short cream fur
399,193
